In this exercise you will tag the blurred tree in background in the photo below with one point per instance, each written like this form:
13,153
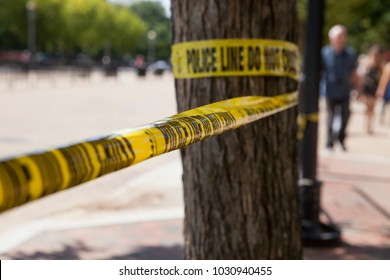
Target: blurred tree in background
71,26
368,22
13,24
153,13
97,27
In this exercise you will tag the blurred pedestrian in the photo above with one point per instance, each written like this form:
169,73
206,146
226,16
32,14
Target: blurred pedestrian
139,64
369,76
339,73
383,90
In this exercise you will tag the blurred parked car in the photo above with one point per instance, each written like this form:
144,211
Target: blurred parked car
84,65
159,67
16,57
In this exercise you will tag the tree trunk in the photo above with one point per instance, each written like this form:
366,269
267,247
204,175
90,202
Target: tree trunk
240,188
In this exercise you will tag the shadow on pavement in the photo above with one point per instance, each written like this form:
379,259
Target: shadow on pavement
153,253
74,252
68,252
348,252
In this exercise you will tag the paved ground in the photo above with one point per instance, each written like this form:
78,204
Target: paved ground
137,213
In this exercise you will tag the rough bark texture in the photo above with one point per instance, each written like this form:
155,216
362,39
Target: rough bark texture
240,188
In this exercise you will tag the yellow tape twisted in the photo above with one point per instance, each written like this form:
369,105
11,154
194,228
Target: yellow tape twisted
34,175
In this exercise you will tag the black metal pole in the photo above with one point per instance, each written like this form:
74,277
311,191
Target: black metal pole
313,231
310,87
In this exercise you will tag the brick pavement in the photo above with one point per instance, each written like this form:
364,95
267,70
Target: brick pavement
357,198
152,240
355,194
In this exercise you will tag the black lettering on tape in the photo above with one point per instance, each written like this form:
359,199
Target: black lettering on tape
272,61
289,61
254,58
201,60
232,59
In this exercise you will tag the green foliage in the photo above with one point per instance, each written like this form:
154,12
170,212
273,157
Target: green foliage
153,14
368,22
13,23
52,33
71,26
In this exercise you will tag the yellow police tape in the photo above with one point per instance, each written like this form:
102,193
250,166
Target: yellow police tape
35,175
302,122
235,57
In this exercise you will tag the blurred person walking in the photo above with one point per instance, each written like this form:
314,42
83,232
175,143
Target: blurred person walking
339,74
383,90
369,75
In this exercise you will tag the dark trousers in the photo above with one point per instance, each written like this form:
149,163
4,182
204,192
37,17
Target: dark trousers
334,106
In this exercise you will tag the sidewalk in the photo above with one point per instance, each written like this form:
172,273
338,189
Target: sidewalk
354,194
138,213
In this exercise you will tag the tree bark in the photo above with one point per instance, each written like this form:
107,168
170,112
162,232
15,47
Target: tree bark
240,188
